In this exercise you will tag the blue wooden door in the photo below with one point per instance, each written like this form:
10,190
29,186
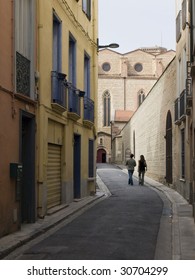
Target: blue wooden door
77,166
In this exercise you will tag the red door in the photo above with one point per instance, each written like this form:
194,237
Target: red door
101,156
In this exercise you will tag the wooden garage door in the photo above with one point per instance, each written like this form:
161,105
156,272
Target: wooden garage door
54,176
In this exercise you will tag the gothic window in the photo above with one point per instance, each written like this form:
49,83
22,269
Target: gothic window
106,109
141,97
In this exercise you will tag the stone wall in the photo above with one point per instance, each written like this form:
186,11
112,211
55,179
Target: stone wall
145,132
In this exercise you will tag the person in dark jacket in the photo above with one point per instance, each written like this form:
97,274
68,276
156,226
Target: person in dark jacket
142,167
131,163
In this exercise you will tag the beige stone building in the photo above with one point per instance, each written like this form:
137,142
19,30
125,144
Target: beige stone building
124,81
150,130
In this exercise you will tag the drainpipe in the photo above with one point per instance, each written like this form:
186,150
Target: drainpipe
13,30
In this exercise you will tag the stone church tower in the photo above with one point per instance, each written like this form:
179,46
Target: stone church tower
124,81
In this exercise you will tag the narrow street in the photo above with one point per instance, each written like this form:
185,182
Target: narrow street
123,226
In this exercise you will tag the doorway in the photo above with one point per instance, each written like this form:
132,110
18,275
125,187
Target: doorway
77,166
169,173
27,158
101,156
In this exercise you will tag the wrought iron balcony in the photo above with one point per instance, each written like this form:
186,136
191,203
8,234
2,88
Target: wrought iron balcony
59,91
88,112
73,103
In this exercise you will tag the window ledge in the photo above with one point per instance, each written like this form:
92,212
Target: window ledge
73,116
88,124
58,108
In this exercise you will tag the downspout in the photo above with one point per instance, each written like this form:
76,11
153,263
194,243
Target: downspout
13,74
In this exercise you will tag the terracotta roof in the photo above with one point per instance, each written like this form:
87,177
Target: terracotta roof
122,116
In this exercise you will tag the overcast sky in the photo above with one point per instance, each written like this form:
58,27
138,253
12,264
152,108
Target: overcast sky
137,23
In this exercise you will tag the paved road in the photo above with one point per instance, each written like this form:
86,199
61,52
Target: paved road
122,226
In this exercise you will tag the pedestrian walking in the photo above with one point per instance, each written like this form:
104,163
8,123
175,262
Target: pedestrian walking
131,163
142,167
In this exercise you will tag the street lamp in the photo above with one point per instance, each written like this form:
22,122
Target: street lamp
112,45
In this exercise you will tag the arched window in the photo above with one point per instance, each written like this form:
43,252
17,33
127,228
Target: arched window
106,108
141,97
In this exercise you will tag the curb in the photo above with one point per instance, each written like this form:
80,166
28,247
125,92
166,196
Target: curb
29,232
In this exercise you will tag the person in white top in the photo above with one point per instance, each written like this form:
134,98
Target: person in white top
131,163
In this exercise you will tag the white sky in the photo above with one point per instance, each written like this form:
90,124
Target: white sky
137,23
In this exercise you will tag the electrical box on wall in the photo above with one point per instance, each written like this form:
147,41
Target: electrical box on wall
15,170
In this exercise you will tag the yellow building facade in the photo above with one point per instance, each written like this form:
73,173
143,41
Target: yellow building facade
67,85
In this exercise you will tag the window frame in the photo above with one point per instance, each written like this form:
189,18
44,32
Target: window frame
57,28
72,60
87,76
86,6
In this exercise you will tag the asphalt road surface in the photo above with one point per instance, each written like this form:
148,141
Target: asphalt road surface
123,226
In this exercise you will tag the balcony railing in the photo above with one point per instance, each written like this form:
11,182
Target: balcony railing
59,90
88,109
73,101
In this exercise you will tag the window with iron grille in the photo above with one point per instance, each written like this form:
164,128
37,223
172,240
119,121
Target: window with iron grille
91,159
183,153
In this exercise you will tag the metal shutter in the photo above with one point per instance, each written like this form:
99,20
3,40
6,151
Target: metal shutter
54,176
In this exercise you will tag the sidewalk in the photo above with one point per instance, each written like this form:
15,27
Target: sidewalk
183,226
59,215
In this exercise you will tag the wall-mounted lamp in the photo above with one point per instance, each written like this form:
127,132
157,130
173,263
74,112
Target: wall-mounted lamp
112,45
